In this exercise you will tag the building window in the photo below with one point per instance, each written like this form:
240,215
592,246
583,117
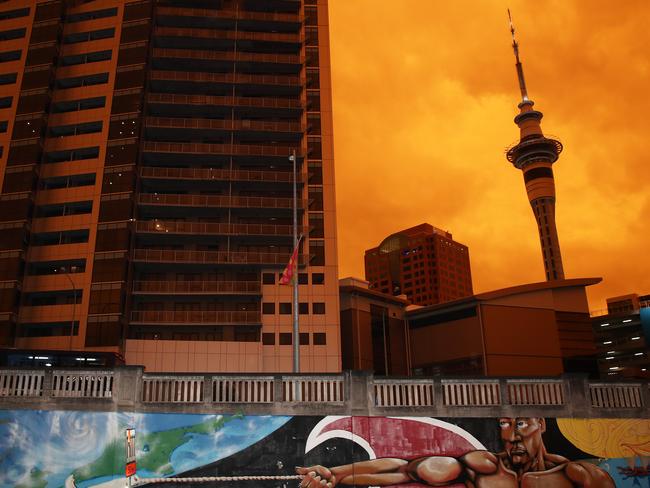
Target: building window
304,338
268,339
87,80
318,278
75,105
303,278
285,338
268,308
320,339
95,14
268,278
89,36
285,308
318,308
85,58
303,308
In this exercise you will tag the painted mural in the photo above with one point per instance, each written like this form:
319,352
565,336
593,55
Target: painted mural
52,449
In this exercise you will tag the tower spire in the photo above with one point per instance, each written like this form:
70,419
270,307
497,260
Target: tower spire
520,69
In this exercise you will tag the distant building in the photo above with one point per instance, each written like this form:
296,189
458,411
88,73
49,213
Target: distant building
422,262
537,329
374,336
623,337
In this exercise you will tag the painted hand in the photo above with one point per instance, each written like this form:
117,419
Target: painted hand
316,477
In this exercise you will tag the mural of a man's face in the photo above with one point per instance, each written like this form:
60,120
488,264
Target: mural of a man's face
522,438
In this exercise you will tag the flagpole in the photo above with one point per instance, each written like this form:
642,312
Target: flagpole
296,329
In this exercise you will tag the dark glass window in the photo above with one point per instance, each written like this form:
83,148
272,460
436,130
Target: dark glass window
268,339
127,103
285,338
268,308
12,34
70,181
89,36
137,11
318,308
303,279
107,270
19,181
134,33
74,105
95,14
132,55
14,14
115,209
318,278
285,308
29,104
86,80
5,102
67,266
118,181
58,297
85,58
36,78
75,129
48,329
8,78
317,250
72,154
41,55
8,56
63,237
304,338
320,339
268,278
316,225
63,209
303,308
44,33
48,11
129,78
121,153
105,332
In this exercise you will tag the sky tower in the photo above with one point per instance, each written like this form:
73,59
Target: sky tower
534,154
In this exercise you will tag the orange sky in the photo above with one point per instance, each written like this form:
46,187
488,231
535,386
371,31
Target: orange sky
424,96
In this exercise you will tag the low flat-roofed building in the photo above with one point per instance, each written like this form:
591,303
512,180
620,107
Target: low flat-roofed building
374,335
537,329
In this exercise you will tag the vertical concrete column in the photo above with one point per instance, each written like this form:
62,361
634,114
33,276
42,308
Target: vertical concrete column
645,398
127,387
438,400
47,383
360,394
577,402
207,389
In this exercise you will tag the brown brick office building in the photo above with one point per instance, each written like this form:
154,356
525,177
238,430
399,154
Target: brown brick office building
146,190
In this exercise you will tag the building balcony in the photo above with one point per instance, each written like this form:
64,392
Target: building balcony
227,35
179,151
213,257
221,201
226,56
178,13
199,125
209,174
208,228
196,317
271,80
197,288
208,100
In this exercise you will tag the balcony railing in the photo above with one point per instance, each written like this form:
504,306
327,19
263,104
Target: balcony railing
198,287
198,33
223,201
213,257
217,174
195,317
222,149
314,394
229,56
230,14
216,124
205,100
202,228
237,78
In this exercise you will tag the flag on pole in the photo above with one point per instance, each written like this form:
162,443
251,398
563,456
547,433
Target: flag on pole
289,274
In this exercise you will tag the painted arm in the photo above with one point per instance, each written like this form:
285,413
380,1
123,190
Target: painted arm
587,475
433,471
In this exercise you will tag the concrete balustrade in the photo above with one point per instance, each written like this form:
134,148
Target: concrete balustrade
129,388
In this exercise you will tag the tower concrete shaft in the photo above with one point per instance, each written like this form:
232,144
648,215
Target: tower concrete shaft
535,154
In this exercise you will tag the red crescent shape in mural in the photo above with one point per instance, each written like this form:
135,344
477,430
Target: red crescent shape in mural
404,438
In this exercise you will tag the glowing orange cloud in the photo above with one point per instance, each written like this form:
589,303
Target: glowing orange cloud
424,96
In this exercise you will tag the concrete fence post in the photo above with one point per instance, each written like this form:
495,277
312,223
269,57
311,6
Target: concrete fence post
576,400
127,387
360,395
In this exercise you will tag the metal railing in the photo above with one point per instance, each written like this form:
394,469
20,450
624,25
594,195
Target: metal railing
223,149
172,227
236,78
261,102
217,174
227,56
224,201
239,35
318,394
196,317
230,14
218,124
218,257
198,287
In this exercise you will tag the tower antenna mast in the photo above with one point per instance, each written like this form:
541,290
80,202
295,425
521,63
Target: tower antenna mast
520,69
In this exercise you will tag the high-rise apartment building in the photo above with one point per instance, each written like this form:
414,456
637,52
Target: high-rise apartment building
146,201
422,262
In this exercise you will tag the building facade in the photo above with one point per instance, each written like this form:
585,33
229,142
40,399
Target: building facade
536,329
622,335
374,333
422,262
146,201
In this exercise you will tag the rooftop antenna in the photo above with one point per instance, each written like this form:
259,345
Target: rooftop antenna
520,69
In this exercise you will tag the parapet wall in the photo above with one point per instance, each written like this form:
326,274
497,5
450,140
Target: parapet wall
351,393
